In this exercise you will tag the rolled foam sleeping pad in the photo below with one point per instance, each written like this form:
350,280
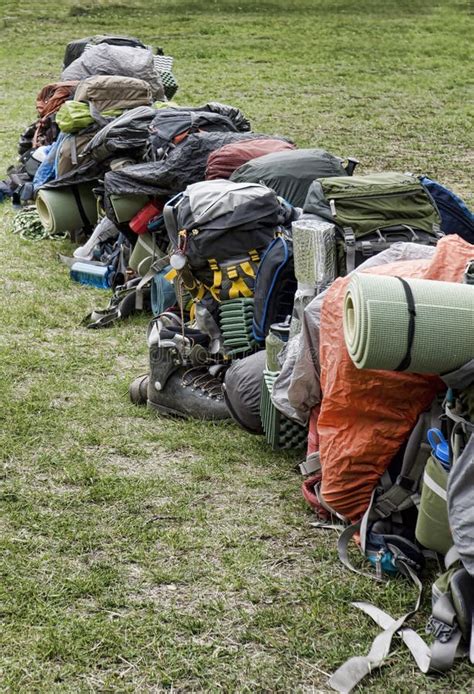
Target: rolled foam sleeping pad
59,211
382,331
127,206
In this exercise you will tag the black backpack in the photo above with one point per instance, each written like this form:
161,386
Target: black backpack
219,230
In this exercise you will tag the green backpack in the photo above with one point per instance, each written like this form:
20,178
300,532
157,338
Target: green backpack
444,520
373,212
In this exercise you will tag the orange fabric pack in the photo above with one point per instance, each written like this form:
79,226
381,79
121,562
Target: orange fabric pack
48,101
367,415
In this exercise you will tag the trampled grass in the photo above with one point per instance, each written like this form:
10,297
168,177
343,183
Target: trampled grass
141,554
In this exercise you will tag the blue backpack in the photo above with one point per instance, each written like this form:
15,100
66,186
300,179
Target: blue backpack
456,217
275,287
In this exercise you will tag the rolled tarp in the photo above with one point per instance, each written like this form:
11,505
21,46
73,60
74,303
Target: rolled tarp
414,325
67,209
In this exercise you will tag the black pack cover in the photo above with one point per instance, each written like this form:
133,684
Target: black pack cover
275,287
290,173
242,390
170,124
126,136
185,164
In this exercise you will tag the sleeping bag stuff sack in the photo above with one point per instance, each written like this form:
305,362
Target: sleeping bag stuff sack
290,174
366,416
67,209
242,391
225,160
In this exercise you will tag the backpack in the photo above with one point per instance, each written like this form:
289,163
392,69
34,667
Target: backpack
456,217
400,528
275,287
70,150
100,93
386,539
104,92
76,48
218,230
373,212
127,61
290,174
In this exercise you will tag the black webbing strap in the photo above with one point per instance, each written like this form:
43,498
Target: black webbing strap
80,207
405,363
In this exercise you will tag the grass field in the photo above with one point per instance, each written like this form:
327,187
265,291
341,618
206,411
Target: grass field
144,554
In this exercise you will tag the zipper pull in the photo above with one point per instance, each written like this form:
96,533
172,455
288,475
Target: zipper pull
332,206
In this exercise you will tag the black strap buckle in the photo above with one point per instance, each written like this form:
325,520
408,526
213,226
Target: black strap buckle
441,631
407,483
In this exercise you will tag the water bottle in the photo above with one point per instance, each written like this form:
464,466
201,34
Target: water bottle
439,448
274,343
95,275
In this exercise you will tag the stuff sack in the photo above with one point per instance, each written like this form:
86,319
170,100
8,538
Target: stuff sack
219,229
242,391
290,174
224,161
373,212
456,217
275,287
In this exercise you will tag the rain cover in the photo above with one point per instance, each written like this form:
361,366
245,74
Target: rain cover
367,415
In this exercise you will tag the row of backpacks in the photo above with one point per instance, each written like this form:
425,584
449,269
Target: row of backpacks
248,254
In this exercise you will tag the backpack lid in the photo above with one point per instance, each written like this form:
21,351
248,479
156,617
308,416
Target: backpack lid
209,200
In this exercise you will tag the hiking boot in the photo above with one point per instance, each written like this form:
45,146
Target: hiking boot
189,392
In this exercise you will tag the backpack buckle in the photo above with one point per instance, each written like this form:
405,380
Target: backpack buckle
440,630
407,483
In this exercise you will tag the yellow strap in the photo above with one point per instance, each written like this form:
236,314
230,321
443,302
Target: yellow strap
213,264
171,275
254,255
200,292
248,268
232,272
239,288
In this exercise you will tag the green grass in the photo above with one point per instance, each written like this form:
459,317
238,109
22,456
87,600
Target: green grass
141,554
